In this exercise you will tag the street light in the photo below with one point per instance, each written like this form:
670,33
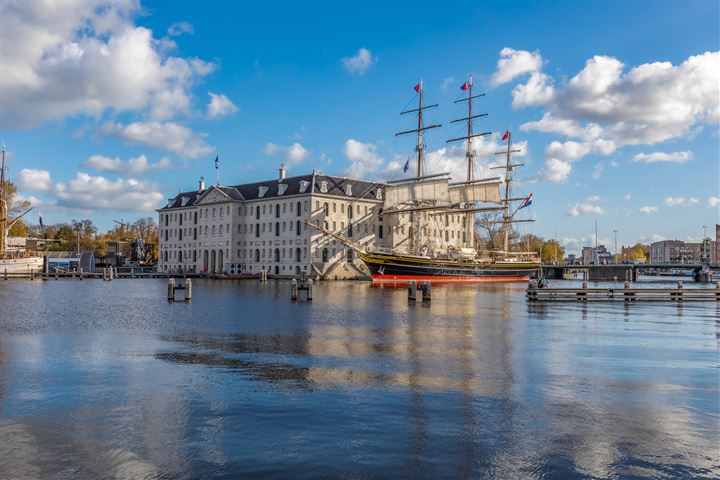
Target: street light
616,251
704,232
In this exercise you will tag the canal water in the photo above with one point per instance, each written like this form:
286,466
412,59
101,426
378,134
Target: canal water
109,380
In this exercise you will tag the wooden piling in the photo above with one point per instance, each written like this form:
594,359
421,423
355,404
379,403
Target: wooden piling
294,290
412,290
171,290
309,284
426,296
188,289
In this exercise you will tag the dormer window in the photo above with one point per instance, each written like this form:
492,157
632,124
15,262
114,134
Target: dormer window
282,187
378,194
262,191
170,202
348,189
323,186
304,184
184,201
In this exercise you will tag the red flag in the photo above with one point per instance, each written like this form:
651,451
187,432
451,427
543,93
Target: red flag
465,86
418,87
507,134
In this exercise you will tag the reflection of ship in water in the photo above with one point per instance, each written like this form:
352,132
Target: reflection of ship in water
427,199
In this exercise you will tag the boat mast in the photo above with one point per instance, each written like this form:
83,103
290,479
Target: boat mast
420,148
469,155
3,203
508,167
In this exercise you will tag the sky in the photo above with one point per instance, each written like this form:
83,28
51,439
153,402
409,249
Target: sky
110,108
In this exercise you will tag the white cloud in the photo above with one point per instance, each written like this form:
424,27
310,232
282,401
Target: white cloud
446,83
364,159
168,136
293,154
360,62
513,63
569,151
179,28
34,179
99,193
648,210
648,104
627,196
220,105
713,201
680,201
62,59
576,209
673,157
135,165
538,90
594,198
556,170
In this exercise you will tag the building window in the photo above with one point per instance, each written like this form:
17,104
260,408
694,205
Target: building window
350,212
195,233
277,229
297,228
297,255
350,230
380,231
324,255
277,211
257,230
299,209
326,209
277,255
350,255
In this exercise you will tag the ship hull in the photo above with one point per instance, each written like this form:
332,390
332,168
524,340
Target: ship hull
387,268
21,265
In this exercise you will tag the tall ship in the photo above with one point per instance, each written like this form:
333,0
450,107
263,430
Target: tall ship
426,198
12,262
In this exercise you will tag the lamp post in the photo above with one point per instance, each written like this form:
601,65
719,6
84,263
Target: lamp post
616,251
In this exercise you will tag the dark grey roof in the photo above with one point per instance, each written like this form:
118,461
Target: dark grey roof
250,191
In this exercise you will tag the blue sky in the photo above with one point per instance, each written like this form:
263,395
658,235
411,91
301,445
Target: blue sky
107,110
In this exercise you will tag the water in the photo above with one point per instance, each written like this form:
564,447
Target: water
108,380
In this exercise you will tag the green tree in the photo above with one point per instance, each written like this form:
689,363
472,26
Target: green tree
552,251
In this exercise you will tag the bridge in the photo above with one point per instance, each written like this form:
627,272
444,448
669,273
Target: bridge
623,271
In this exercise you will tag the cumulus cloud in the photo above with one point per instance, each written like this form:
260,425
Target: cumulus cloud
594,198
219,106
33,179
713,201
134,165
672,157
576,209
364,158
179,28
555,170
513,63
360,62
648,210
648,104
680,201
293,154
168,136
88,192
62,59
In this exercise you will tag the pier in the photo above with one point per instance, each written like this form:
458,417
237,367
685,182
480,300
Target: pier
621,271
626,294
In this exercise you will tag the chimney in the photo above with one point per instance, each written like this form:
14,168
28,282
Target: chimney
281,172
201,184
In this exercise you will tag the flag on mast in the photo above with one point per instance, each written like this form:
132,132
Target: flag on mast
527,202
465,86
217,162
407,165
418,87
506,136
40,221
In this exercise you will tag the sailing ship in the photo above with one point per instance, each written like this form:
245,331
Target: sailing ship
12,262
425,197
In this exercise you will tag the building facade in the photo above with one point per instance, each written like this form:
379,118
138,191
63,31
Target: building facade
245,229
677,251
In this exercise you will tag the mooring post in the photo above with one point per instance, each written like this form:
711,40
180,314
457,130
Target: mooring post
679,294
412,290
309,284
294,290
426,297
188,289
583,295
81,273
57,274
717,291
171,289
31,274
5,276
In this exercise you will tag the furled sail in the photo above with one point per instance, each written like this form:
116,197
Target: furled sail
478,192
430,190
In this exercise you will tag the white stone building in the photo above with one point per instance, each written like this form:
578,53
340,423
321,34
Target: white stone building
244,229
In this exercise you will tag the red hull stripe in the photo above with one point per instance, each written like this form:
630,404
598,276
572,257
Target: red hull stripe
448,279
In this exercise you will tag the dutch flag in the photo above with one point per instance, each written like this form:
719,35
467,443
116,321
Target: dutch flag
527,202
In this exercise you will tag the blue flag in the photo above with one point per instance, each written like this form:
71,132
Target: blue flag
217,162
407,165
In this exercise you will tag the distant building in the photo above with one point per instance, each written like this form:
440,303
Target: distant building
601,253
677,251
716,260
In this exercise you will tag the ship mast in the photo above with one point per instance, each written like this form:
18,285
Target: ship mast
508,167
3,204
420,148
469,152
